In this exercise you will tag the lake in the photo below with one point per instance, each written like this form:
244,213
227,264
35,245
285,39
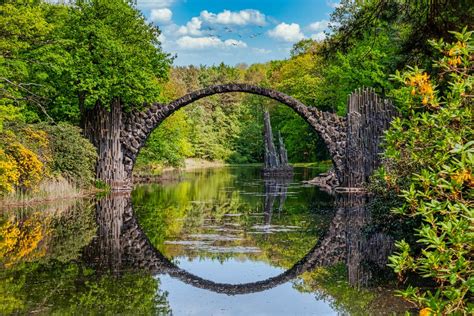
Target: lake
220,241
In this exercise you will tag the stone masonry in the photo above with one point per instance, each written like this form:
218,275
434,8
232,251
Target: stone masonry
368,116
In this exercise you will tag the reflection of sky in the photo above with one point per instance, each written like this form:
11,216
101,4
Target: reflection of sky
185,299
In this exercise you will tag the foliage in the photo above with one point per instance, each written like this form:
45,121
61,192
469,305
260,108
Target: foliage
26,164
430,159
73,156
9,174
112,52
414,23
366,64
169,144
301,77
30,153
25,49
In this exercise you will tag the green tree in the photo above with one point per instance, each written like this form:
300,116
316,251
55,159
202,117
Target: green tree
429,159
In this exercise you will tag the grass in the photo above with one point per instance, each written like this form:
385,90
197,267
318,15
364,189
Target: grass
48,190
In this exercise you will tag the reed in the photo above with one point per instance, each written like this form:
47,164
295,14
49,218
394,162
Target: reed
49,189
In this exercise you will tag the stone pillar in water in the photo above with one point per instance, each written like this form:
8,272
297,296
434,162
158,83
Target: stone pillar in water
271,158
282,150
276,163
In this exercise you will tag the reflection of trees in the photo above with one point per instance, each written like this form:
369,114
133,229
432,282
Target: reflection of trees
163,216
71,289
23,239
344,255
362,257
331,285
46,233
44,274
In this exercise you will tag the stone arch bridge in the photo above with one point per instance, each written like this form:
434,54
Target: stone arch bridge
352,141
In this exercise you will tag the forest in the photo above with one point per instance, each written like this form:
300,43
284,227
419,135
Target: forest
58,63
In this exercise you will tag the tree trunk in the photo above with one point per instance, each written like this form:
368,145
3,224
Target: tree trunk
103,126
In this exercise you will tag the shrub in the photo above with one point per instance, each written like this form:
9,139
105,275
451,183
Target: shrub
9,174
429,159
73,156
31,153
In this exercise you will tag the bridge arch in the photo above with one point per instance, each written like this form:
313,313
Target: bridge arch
139,125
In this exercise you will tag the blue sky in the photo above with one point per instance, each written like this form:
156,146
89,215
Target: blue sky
213,31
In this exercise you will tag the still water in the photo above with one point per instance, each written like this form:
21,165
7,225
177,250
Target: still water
218,241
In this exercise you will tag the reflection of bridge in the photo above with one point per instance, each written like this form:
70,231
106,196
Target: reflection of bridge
122,244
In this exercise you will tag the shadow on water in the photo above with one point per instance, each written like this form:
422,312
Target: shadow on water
214,240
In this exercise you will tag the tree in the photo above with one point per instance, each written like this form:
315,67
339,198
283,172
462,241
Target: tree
26,49
429,159
116,65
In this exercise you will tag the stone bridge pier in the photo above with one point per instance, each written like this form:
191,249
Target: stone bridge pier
352,141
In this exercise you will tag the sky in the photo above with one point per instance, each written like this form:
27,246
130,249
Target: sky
207,32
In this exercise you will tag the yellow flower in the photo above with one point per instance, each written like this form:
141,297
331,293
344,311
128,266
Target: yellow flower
426,88
463,176
425,100
413,91
426,311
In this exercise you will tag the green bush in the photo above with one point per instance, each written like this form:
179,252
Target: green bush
429,160
73,156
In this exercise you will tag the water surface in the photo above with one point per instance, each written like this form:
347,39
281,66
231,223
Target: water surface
219,241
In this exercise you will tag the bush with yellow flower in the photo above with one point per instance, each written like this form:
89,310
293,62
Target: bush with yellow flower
429,158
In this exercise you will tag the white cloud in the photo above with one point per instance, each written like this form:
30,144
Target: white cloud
187,42
162,38
193,27
333,4
287,32
319,26
320,36
154,4
161,15
235,43
262,51
242,17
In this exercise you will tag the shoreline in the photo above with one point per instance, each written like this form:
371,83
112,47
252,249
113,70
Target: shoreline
47,200
168,175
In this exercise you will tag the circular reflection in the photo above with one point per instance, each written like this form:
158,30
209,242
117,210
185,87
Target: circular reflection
122,244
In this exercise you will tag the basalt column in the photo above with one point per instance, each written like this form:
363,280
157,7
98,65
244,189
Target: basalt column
276,162
368,116
271,157
103,126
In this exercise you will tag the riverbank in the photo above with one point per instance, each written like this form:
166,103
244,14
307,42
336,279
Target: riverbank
160,174
171,174
50,190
